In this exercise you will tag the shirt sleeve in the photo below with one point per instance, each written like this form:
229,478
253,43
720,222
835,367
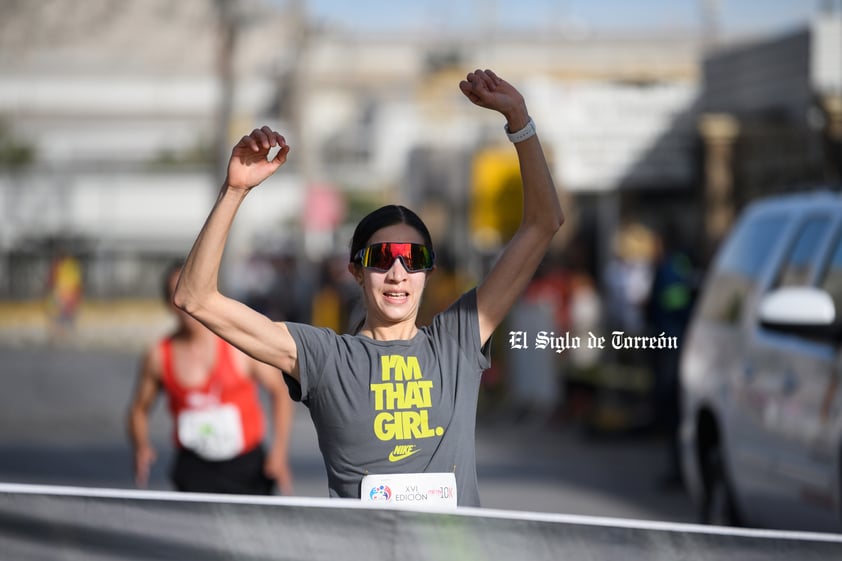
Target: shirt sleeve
461,322
314,346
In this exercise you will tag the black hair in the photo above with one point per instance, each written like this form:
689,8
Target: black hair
384,216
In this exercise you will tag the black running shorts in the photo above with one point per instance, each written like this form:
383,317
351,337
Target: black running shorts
242,475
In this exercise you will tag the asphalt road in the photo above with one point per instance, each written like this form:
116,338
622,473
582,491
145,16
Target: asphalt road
62,414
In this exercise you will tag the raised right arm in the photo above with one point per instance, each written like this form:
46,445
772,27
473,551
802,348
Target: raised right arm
198,292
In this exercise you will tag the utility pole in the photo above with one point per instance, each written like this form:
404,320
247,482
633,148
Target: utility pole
298,88
709,23
227,41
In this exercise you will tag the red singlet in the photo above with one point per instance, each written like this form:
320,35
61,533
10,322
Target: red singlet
225,385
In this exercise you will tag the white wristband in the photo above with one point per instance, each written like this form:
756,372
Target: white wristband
526,132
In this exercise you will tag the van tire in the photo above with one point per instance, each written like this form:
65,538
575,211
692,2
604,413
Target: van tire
718,505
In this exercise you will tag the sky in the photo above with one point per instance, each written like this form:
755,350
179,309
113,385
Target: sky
734,16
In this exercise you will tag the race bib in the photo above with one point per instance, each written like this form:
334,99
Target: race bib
214,433
408,489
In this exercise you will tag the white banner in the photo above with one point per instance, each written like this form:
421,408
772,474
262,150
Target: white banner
71,523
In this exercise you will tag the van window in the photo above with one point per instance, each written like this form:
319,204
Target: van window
832,278
804,253
739,266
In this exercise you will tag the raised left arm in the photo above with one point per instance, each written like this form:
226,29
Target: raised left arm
542,214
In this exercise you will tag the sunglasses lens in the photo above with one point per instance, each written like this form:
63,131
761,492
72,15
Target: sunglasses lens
422,258
415,257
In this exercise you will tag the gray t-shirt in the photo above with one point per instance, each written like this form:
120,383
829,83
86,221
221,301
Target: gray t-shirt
406,406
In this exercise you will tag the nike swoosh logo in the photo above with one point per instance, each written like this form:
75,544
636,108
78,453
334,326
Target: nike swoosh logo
402,451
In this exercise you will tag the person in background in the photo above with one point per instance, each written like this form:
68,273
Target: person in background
628,278
213,397
391,398
668,310
64,295
535,386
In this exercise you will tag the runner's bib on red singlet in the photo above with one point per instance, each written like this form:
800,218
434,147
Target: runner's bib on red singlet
214,433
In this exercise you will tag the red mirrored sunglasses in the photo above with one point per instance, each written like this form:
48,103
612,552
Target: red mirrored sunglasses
415,257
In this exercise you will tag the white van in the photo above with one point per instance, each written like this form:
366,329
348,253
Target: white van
761,429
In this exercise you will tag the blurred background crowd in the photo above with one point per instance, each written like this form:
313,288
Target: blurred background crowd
116,117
